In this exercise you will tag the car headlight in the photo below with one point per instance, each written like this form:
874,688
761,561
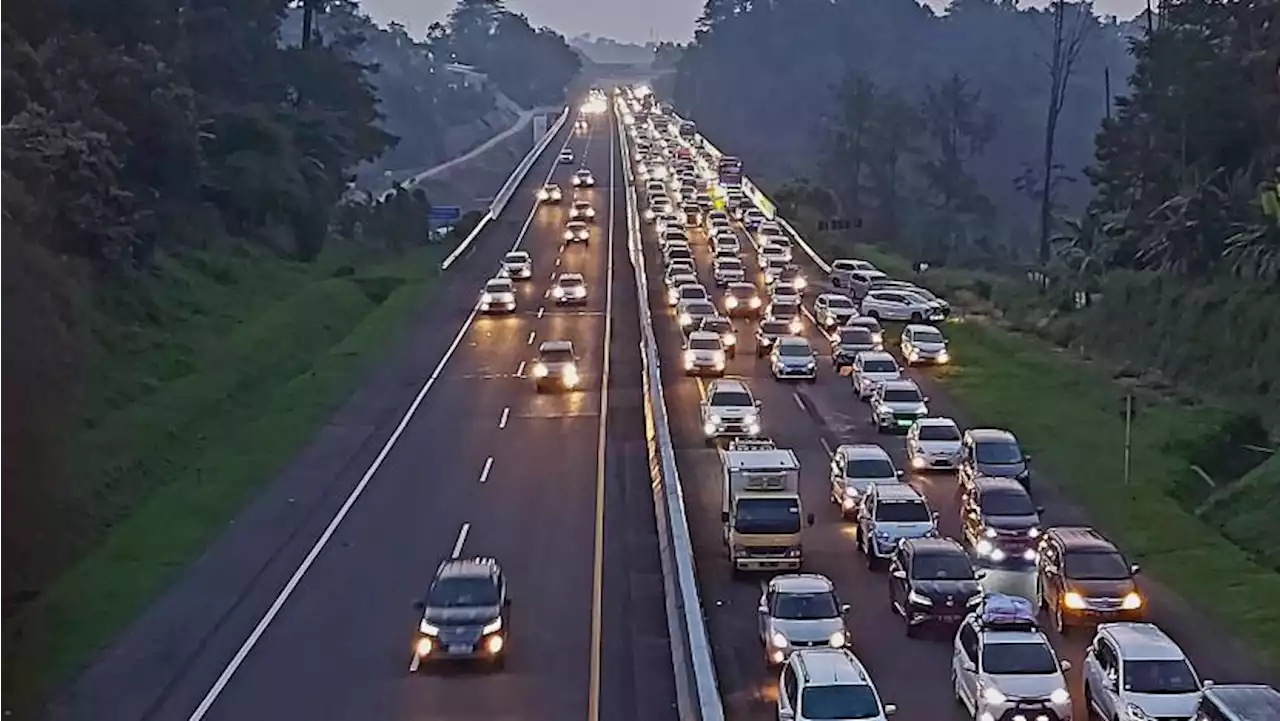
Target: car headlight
989,532
919,599
543,195
492,627
591,212
486,298
801,283
993,695
728,339
944,357
558,292
877,338
568,235
1132,601
984,547
539,370
685,319
837,640
719,358
778,640
570,371
1134,712
731,302
1073,600
796,326
917,462
423,647
427,629
1033,533
709,428
755,302
690,356
1059,696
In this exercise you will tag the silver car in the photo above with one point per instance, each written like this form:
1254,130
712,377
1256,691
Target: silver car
899,305
896,405
842,270
889,513
728,270
704,354
518,264
582,210
792,357
576,231
498,296
832,309
870,369
800,610
855,467
933,443
924,344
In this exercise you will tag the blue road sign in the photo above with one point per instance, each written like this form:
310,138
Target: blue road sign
444,212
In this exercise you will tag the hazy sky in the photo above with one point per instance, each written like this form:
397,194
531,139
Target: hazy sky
623,20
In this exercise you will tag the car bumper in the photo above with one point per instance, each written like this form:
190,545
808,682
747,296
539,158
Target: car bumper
520,273
1093,616
1018,712
767,563
899,424
934,463
934,615
445,650
931,359
700,368
558,382
571,300
1003,552
498,307
797,373
731,429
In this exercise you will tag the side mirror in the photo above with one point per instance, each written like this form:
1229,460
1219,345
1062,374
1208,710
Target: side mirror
926,399
810,519
968,665
980,574
1135,569
1026,458
1065,664
845,608
763,608
724,516
890,709
900,574
786,715
759,404
1208,683
420,605
901,473
1039,509
935,516
507,602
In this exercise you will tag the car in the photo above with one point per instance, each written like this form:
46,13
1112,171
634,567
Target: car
842,270
729,410
848,342
727,270
768,332
870,369
498,296
855,467
999,523
704,354
550,193
784,294
726,242
772,252
887,514
581,125
722,327
675,252
691,312
466,615
783,242
681,266
576,231
1238,702
772,269
582,178
659,207
800,610
742,299
899,305
860,282
692,215
569,288
788,311
555,367
932,581
871,324
716,217
725,254
792,358
672,235
1083,579
675,281
582,210
923,344
704,201
566,156
828,683
655,188
688,291
790,277
993,452
831,310
666,220
765,230
933,444
896,405
1135,671
518,264
720,226
886,283
1003,666
752,218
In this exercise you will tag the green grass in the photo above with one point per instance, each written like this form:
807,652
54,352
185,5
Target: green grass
1247,511
1068,414
241,361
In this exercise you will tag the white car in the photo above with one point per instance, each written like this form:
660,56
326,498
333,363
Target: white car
843,268
498,296
896,405
1135,671
1002,662
566,156
688,291
800,610
872,369
550,193
829,683
681,277
576,231
773,269
689,314
728,270
933,443
582,210
855,467
787,312
784,294
923,344
704,354
663,221
569,288
899,305
729,410
773,252
832,309
782,243
660,207
518,264
583,178
727,243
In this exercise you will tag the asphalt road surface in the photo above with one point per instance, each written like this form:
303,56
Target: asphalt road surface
555,486
812,420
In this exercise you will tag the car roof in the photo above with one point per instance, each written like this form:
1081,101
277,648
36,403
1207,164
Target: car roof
901,384
478,567
868,355
979,435
501,281
518,254
830,296
1081,538
686,286
582,202
801,583
576,223
898,492
794,340
862,450
727,384
997,483
704,335
1142,641
742,285
584,170
913,327
935,546
937,421
831,667
555,345
570,276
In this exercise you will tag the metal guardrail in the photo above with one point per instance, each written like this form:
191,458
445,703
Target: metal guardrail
508,188
687,629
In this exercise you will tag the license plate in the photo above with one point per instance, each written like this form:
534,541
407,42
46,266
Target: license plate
459,649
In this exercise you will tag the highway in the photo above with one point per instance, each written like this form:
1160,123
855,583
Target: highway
555,486
812,420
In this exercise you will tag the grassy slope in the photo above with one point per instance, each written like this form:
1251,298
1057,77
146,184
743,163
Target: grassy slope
1248,510
192,412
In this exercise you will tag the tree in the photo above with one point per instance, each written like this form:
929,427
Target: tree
892,137
1065,47
850,131
959,128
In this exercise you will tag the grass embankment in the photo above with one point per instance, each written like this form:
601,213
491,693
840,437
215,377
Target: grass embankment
239,361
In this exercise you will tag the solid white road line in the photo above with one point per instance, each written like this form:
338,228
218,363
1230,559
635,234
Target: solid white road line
232,666
506,412
488,466
462,539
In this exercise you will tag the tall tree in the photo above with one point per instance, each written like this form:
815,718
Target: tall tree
959,128
850,132
1067,41
892,137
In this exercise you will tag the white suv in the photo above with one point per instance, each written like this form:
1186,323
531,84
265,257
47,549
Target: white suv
897,304
1135,671
828,683
729,410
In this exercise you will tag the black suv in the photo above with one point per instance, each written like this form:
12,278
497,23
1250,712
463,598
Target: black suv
1001,524
465,616
932,580
1082,579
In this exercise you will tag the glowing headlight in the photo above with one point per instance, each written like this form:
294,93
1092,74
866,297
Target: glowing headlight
992,695
1059,696
690,357
1033,533
558,292
543,195
755,302
728,339
913,356
984,547
709,428
719,358
1132,602
837,640
568,235
997,555
427,629
685,319
877,338
801,283
539,370
917,462
495,644
486,298
796,326
571,371
423,647
591,212
989,533
492,627
778,640
944,357
1073,600
731,302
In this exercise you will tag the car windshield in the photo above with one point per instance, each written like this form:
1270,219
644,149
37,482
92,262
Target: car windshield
497,286
1007,503
941,567
804,606
576,225
570,282
517,258
774,327
731,399
998,452
1017,659
716,325
929,336
743,292
839,302
704,343
767,515
1163,676
842,701
1095,566
678,253
700,309
939,433
581,205
794,349
693,291
461,591
902,512
855,336
731,263
869,468
556,356
902,395
883,365
784,310
774,250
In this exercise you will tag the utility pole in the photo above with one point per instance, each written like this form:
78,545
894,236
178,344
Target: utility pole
1128,433
1106,82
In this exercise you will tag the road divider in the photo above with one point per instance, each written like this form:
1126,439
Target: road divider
508,188
697,690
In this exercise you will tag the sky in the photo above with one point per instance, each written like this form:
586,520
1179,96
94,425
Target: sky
633,21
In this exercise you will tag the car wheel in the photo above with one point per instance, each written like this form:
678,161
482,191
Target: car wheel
871,557
917,318
500,663
911,628
873,314
955,688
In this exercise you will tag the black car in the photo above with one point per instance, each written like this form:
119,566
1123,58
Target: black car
768,332
721,326
465,615
993,452
742,300
848,342
1082,579
1000,523
932,580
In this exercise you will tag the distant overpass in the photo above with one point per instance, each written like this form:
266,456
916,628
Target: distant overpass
622,71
